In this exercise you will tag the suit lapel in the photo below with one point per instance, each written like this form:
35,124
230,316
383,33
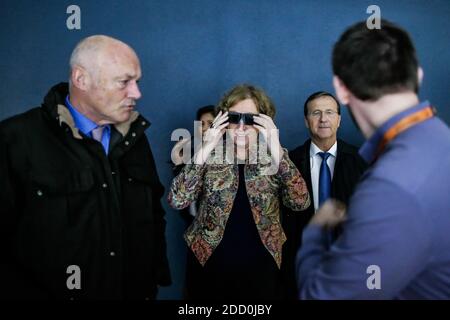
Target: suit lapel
305,164
339,169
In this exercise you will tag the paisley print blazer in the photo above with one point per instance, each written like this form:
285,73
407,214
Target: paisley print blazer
215,186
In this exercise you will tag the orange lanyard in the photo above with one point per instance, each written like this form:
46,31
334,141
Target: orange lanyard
404,124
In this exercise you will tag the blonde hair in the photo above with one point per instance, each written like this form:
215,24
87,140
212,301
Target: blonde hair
241,92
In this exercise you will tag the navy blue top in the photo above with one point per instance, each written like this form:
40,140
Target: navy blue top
241,245
240,267
398,223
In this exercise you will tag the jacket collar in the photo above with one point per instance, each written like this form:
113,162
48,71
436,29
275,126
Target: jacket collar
54,104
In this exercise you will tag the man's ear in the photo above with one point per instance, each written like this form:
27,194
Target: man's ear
79,78
306,123
419,75
342,93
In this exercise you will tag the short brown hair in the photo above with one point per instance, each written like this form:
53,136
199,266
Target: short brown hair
241,92
320,94
373,63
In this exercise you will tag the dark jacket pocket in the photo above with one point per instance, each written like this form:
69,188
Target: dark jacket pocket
56,219
143,191
63,199
63,182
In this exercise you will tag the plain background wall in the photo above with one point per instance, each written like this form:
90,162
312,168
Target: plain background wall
193,51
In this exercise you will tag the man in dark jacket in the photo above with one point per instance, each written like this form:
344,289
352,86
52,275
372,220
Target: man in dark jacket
343,167
81,212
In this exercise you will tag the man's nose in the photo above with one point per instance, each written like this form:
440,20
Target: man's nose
134,91
323,117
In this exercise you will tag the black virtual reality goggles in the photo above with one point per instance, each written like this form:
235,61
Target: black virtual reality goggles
237,118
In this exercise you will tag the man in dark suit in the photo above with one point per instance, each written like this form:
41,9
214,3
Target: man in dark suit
343,166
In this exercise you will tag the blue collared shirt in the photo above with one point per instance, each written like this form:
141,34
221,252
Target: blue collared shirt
395,242
369,148
86,125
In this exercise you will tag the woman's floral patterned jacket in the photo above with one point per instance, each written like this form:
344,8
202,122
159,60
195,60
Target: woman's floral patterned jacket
215,187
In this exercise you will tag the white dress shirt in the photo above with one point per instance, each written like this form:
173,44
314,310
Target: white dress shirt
315,161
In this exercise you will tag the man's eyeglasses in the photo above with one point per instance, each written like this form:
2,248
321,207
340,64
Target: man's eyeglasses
326,113
245,118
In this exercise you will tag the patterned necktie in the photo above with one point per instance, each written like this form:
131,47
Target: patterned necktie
324,178
97,133
101,135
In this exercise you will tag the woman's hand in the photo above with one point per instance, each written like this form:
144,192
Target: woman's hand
212,137
267,128
177,151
